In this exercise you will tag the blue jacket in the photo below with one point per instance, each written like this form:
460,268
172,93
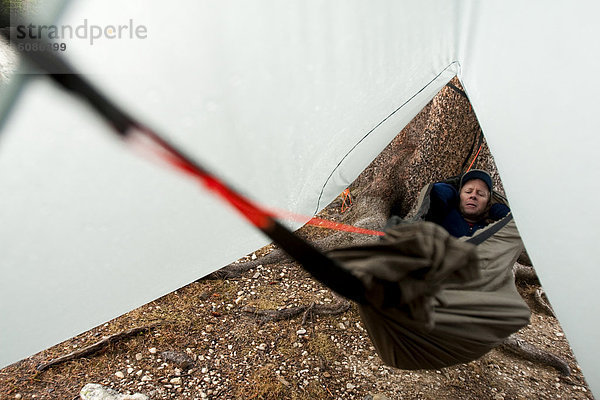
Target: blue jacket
444,211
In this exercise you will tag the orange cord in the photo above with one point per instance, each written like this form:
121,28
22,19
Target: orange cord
346,196
474,158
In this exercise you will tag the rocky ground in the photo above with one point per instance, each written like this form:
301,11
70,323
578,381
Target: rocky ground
209,344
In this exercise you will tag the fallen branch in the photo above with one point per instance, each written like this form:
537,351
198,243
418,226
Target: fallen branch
518,346
96,347
288,313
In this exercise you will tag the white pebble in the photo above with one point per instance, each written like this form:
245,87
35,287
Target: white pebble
301,332
153,350
119,374
176,381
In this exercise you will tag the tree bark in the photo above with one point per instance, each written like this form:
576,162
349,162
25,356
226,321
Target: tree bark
338,307
517,345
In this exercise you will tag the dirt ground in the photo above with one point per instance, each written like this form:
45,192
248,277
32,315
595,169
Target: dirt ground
220,351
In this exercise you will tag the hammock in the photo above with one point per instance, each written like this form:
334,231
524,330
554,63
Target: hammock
433,300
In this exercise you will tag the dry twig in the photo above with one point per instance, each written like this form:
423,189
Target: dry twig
307,313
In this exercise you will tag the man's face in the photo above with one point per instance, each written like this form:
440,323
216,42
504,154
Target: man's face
474,197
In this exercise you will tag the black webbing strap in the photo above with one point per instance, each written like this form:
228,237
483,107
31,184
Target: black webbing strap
489,232
476,144
457,90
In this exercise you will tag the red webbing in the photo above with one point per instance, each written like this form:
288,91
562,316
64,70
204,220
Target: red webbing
255,214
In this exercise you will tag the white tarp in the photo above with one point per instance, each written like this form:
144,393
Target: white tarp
528,69
273,96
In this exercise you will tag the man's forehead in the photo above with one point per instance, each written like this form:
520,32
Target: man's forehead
475,183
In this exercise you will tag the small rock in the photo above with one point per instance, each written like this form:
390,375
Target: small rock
283,381
350,386
379,396
262,347
326,375
183,360
18,396
301,332
146,378
254,256
94,391
119,374
256,275
153,350
341,325
139,356
130,370
176,381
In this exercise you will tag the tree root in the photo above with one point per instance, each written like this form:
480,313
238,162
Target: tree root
524,259
236,269
525,274
278,256
96,347
520,347
338,307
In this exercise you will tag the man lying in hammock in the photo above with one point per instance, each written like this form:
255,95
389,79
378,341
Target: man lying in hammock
439,289
463,212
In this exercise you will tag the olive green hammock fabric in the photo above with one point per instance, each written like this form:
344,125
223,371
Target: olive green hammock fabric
434,300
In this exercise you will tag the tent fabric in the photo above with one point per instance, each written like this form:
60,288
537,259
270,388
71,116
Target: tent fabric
530,71
287,102
312,90
435,300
